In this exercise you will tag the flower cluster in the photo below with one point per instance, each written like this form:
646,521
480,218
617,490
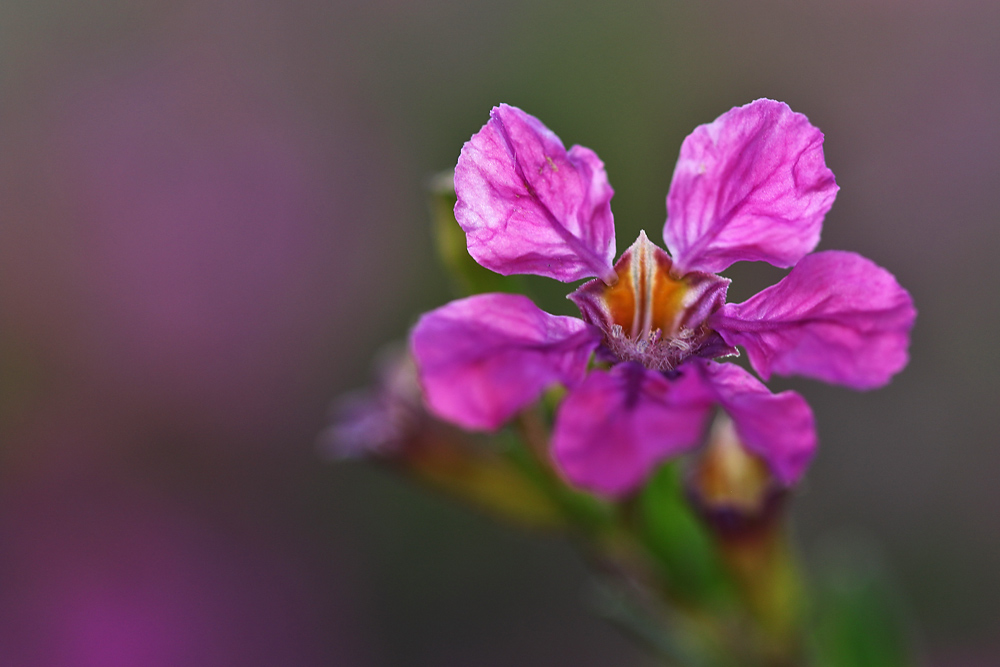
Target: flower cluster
641,365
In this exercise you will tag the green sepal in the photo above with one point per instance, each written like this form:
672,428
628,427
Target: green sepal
467,276
679,541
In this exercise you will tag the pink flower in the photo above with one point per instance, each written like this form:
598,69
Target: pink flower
751,186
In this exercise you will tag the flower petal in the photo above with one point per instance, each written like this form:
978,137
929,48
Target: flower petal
779,428
753,185
615,427
836,316
483,358
529,206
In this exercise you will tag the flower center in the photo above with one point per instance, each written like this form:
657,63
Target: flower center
649,315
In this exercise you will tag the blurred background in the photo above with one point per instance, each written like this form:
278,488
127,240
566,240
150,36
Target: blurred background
212,216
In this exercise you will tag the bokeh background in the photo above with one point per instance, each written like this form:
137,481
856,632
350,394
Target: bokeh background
212,216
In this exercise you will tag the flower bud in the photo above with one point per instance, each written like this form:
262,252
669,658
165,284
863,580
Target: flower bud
732,488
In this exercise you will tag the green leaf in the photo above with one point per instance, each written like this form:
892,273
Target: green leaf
860,621
585,513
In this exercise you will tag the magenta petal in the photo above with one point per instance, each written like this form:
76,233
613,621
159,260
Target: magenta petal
836,317
779,428
483,358
529,206
615,427
752,185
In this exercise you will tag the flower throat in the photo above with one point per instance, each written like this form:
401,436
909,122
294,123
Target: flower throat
651,316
